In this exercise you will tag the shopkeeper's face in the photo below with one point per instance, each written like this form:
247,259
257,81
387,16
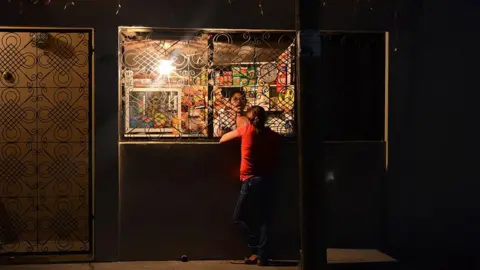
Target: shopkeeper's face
238,102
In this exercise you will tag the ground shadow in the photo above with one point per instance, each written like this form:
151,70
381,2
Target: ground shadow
8,233
277,263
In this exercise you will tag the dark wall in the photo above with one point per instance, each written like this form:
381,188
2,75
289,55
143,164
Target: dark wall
433,180
355,195
178,199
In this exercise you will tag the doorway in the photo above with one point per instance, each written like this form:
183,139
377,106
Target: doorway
46,140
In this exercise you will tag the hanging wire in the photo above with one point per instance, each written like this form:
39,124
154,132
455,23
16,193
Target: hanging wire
68,4
260,5
355,2
119,6
395,26
46,2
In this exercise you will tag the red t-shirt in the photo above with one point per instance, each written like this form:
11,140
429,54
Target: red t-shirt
258,151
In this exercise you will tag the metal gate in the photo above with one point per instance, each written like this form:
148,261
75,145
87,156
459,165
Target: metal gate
45,140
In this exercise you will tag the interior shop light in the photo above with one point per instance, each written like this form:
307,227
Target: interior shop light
165,67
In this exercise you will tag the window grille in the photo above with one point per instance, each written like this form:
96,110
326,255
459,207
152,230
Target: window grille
198,84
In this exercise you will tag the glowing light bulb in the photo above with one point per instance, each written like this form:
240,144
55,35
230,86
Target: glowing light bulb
165,67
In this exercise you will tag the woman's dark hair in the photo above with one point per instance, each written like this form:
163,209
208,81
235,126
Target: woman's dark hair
257,116
235,90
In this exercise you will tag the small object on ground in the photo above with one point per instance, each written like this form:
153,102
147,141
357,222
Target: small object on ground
184,258
238,262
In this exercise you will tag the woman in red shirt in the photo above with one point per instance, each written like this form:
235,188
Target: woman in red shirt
258,147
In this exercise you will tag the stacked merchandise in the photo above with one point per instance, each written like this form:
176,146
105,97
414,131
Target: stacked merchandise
236,76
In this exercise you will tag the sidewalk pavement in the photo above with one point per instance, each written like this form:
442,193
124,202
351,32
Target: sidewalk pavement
194,265
335,257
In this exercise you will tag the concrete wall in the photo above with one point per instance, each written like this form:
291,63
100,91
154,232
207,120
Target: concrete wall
178,199
433,180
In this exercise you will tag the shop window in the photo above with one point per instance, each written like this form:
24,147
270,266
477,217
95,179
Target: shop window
193,84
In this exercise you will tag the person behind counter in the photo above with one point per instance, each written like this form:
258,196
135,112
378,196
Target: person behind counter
251,215
231,116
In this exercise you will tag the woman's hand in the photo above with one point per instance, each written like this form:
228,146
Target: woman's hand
229,136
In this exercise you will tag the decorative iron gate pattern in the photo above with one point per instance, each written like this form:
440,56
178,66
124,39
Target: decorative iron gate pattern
45,141
191,84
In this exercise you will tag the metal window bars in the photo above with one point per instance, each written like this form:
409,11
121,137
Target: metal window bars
196,84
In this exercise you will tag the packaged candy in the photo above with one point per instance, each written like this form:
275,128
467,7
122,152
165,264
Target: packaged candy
236,71
204,77
244,71
244,81
251,72
236,81
228,78
217,77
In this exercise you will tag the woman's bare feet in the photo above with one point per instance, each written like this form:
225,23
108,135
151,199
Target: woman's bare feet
253,259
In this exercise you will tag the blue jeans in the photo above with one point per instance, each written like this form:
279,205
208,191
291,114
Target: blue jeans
252,214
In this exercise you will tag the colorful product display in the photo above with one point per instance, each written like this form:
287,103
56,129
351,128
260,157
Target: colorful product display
282,77
258,95
236,76
175,112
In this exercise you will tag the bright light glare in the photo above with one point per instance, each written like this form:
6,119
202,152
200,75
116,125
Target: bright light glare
165,67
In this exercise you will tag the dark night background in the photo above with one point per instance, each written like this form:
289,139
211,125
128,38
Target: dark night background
430,195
